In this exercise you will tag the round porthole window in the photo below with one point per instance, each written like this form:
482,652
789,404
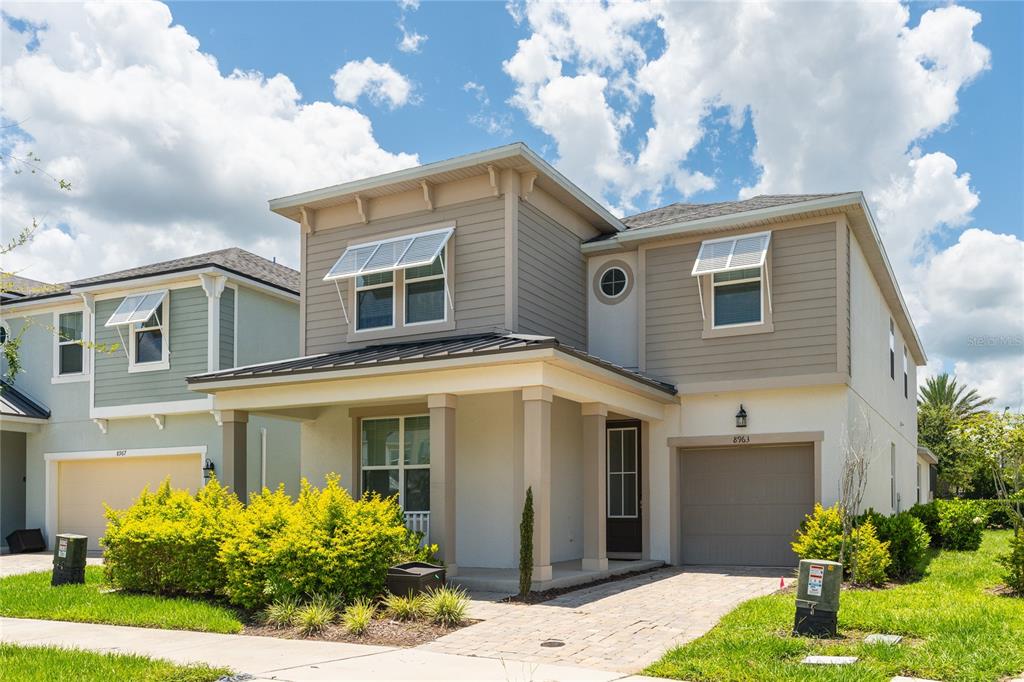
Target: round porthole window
4,335
613,282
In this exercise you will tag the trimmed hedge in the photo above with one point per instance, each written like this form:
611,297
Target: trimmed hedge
908,541
961,523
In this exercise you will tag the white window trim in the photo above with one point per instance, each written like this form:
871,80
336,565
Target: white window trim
429,278
355,307
760,299
165,345
636,475
57,377
625,287
401,466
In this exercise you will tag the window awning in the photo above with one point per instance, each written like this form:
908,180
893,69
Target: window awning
397,253
136,308
732,253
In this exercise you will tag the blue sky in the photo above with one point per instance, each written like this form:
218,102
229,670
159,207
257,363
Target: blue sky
469,41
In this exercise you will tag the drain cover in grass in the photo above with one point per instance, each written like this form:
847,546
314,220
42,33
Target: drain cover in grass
883,639
829,660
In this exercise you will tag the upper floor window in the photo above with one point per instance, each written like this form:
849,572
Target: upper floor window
146,318
424,292
70,351
613,282
375,301
737,297
906,375
892,350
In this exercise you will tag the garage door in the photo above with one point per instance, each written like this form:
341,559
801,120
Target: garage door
84,485
740,506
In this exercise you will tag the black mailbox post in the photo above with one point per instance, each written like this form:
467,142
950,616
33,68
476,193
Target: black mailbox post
69,559
414,577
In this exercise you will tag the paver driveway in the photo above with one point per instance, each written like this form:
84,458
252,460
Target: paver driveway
621,625
13,564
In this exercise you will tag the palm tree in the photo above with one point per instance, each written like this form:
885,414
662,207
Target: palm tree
943,390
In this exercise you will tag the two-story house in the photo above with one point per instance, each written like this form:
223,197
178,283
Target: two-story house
101,408
673,387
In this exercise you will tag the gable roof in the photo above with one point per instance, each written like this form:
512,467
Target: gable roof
14,403
410,352
234,260
16,287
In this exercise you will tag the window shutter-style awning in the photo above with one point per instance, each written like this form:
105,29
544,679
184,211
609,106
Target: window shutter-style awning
136,308
386,255
732,253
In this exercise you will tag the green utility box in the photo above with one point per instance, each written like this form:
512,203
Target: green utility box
817,597
69,559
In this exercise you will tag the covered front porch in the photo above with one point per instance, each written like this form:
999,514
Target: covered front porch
461,439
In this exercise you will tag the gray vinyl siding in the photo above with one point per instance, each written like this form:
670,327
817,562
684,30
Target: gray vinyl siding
552,279
803,291
268,327
479,271
188,342
227,329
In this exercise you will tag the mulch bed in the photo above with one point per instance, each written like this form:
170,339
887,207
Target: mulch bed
548,595
382,632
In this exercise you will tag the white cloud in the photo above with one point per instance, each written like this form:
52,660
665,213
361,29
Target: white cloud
411,41
380,82
486,118
167,157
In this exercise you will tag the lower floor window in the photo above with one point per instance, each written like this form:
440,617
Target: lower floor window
622,483
395,459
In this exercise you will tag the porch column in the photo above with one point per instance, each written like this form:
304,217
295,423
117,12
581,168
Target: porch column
537,473
442,477
595,480
233,453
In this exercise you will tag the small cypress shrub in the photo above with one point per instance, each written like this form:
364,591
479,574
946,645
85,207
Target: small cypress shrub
526,545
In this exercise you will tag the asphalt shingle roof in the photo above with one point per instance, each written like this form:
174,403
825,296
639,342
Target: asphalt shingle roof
23,286
13,403
677,213
419,351
234,259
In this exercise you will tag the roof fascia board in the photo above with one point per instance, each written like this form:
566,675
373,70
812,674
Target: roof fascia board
178,274
283,204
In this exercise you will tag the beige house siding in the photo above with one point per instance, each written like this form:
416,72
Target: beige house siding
552,279
803,284
478,291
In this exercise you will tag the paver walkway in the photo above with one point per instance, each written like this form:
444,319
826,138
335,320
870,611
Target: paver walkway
623,625
13,564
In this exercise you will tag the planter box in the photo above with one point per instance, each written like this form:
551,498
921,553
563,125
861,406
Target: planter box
414,577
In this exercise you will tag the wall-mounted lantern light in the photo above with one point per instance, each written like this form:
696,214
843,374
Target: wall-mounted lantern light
208,469
741,418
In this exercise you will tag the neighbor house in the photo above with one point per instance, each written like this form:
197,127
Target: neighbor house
673,387
101,408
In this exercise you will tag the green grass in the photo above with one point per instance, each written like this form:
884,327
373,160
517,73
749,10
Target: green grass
955,629
42,664
30,596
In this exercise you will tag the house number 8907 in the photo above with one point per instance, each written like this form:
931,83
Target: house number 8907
121,453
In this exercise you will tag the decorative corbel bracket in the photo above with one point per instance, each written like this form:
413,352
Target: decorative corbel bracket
526,187
494,175
363,207
305,220
103,425
213,285
159,419
428,194
216,417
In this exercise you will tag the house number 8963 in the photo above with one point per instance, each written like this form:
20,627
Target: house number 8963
741,439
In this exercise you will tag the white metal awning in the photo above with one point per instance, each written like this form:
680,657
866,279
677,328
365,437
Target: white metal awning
136,308
732,253
386,255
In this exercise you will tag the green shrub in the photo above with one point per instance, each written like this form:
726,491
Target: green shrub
315,615
281,612
526,545
961,523
168,541
928,514
871,555
820,536
1013,562
323,543
447,606
358,616
399,607
907,538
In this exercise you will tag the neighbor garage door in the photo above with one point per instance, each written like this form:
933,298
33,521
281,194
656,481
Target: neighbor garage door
740,506
85,485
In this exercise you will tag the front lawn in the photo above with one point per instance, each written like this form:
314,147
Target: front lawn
955,628
42,664
30,596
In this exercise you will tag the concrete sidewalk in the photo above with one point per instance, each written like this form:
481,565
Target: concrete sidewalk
291,660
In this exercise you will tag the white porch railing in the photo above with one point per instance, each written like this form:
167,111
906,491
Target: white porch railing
418,522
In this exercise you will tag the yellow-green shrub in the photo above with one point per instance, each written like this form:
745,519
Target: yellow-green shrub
323,543
168,541
820,536
871,555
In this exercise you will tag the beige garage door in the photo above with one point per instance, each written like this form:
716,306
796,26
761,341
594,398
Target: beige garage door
84,485
740,506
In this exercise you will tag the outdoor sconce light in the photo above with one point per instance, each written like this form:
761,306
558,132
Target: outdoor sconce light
741,418
208,469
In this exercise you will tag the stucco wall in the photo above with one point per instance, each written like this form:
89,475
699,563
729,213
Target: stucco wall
566,480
